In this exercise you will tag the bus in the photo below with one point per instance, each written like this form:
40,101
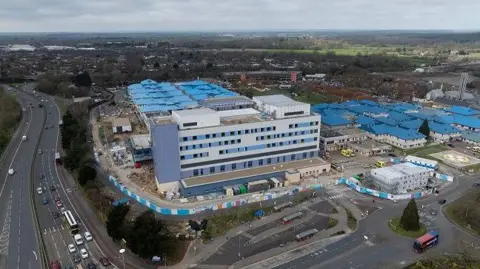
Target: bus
425,241
292,217
281,207
70,221
306,235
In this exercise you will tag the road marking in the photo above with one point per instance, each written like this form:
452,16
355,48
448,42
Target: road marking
35,254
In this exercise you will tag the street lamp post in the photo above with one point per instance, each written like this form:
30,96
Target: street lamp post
122,251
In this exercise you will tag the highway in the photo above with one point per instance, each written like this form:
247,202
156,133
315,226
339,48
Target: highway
55,231
382,248
18,238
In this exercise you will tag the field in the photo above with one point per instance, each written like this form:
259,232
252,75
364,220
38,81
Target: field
351,51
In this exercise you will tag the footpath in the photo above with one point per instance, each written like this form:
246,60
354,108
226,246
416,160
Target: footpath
199,252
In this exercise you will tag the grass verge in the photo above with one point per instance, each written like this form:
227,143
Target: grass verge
464,213
332,223
337,233
351,220
394,225
222,223
426,151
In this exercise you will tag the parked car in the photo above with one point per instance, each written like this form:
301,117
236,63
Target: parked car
76,258
442,202
91,265
52,188
39,190
55,214
44,200
59,204
54,265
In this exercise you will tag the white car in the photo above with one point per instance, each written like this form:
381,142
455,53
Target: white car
78,239
39,190
71,248
88,236
83,253
11,171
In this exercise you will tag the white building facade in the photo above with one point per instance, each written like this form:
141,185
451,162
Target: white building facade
202,141
400,178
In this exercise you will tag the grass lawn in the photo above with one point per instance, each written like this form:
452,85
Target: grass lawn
220,224
456,212
352,51
394,225
426,151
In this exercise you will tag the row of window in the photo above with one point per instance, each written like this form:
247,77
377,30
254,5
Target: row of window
211,144
270,145
194,156
303,124
275,136
231,133
249,164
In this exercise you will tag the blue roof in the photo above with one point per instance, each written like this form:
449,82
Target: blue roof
442,128
396,116
152,96
364,120
405,134
462,110
386,121
412,124
368,102
472,122
335,120
472,136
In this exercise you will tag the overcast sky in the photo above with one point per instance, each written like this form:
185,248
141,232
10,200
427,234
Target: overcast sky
228,15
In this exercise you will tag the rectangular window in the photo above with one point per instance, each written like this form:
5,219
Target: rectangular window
260,162
247,131
311,154
212,169
293,113
214,135
182,157
293,156
250,163
290,126
194,137
234,166
181,148
304,155
221,152
195,155
232,141
262,129
238,140
223,134
269,160
232,133
207,136
195,172
239,132
189,124
185,139
222,168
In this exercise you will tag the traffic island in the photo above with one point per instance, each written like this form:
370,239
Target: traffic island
332,223
394,225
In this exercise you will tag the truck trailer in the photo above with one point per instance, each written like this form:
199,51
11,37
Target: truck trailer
426,241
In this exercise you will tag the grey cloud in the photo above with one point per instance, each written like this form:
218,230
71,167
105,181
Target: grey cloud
172,15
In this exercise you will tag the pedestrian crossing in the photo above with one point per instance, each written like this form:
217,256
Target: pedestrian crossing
318,252
337,192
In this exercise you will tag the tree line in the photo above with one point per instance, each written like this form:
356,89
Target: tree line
10,113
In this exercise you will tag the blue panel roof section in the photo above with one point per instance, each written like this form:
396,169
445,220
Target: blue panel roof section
152,96
333,120
462,110
475,137
442,128
386,121
472,122
412,124
364,120
201,90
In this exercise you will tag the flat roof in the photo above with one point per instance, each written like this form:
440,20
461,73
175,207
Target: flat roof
203,180
120,122
370,145
140,141
194,112
228,100
238,113
277,100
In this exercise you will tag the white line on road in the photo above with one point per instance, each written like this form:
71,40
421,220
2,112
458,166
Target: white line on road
35,254
14,155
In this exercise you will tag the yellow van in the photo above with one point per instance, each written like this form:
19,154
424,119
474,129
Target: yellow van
380,164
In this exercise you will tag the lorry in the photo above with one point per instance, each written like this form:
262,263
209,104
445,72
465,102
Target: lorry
426,241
